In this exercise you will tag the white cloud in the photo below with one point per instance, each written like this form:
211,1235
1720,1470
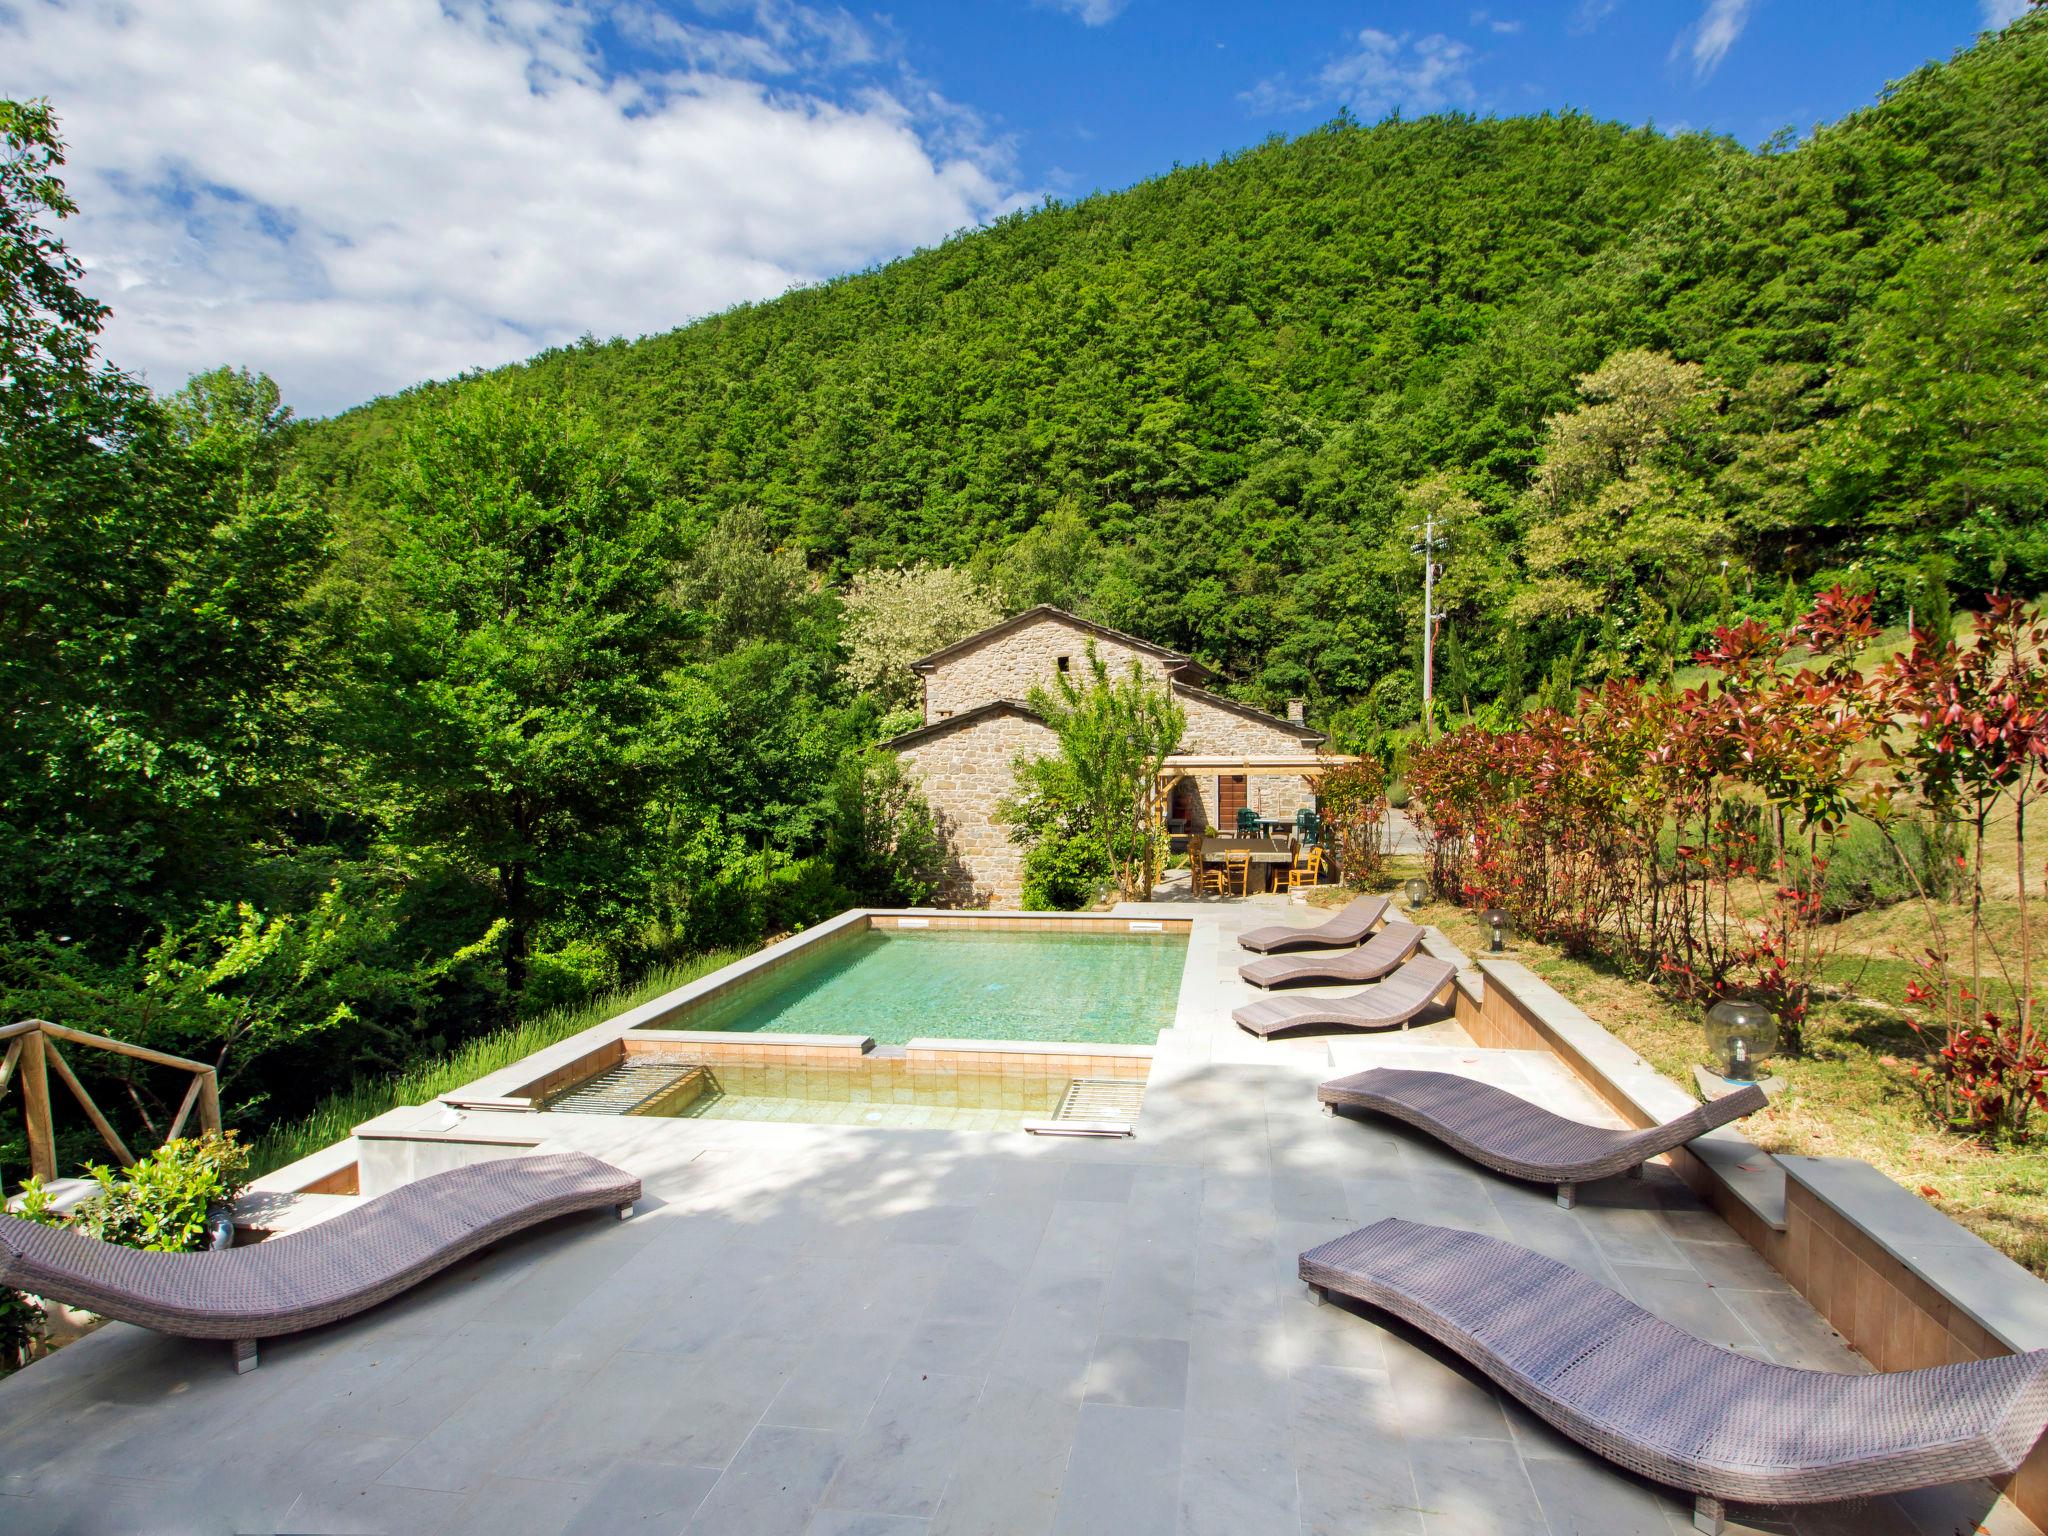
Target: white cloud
1275,96
1384,72
1381,73
1710,38
2000,13
1588,14
1495,23
361,194
783,38
1090,13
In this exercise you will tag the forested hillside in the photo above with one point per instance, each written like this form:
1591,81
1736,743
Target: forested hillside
324,746
1208,409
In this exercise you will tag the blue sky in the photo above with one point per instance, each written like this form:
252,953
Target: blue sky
361,194
1099,95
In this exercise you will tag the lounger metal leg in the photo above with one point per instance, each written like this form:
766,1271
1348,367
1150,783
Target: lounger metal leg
1567,1195
1326,1106
1318,1295
624,1210
1709,1514
245,1356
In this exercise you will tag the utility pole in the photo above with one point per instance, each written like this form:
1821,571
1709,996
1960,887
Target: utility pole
1426,547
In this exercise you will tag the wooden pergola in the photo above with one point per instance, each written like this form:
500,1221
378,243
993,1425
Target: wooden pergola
1268,765
1253,765
32,1051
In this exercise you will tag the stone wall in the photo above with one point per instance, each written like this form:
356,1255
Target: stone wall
1215,731
965,773
1905,1286
1011,664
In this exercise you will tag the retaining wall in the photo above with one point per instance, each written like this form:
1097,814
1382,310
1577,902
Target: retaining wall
1905,1285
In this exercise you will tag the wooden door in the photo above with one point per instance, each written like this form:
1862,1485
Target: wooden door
1230,799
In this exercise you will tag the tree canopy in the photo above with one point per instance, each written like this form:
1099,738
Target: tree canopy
1198,409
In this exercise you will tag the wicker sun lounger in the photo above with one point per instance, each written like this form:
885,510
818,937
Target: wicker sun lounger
1395,1001
1348,927
317,1275
1369,962
1512,1136
1676,1409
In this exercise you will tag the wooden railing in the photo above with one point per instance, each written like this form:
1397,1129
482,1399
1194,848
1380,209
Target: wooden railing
32,1053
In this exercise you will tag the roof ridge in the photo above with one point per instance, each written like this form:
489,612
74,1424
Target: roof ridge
947,722
1049,611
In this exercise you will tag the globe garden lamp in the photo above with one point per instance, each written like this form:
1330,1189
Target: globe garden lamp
1741,1036
1418,892
1498,926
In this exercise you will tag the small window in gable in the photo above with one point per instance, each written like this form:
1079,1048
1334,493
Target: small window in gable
1066,663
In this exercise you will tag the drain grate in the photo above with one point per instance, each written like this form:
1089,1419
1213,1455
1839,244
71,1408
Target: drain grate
1094,1106
631,1087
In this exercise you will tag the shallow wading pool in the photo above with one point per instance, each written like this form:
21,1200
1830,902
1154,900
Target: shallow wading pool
874,1091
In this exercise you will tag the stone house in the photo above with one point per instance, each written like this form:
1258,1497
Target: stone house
976,724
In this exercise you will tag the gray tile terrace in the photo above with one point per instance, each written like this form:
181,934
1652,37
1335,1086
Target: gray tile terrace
814,1329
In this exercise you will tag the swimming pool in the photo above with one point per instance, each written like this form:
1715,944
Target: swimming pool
970,983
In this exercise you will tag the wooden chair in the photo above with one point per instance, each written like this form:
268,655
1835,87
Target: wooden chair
1206,879
1237,871
1308,871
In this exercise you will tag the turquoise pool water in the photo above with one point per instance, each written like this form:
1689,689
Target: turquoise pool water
1098,988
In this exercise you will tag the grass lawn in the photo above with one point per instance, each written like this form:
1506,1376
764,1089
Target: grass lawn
1840,1100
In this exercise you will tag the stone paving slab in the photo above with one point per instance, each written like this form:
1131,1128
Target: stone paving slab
833,1331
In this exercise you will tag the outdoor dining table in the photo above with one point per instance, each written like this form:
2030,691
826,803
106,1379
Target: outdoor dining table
1268,854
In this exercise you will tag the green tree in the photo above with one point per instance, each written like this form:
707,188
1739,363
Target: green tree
150,615
1194,405
1063,872
1943,435
1055,561
1620,523
241,989
1114,734
508,638
882,842
150,674
232,418
744,586
48,325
